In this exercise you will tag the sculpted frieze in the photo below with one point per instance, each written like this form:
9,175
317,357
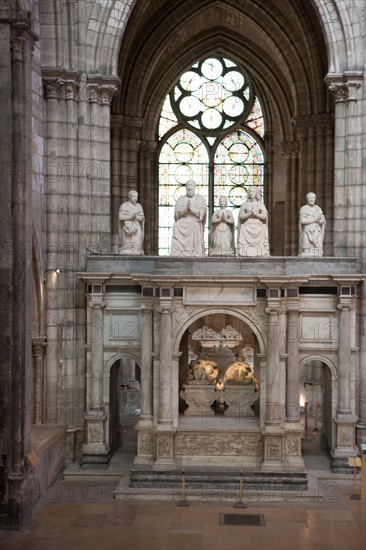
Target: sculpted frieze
146,445
218,444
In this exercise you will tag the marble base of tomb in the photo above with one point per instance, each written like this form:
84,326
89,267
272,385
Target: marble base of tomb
200,398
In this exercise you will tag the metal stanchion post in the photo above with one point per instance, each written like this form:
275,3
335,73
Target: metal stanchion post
184,501
240,503
355,462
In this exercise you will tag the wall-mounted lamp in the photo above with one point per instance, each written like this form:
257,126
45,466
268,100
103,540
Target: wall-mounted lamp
56,270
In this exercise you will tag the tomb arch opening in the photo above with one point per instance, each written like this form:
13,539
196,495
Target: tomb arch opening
318,401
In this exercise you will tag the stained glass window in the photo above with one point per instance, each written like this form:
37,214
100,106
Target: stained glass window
183,157
218,140
238,165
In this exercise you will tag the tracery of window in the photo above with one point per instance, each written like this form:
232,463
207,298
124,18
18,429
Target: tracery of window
210,129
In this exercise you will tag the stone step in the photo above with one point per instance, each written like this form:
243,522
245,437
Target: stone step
142,478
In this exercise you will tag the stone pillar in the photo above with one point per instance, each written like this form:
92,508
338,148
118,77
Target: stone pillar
147,149
53,87
96,452
348,194
346,422
164,436
39,349
273,416
100,91
274,425
289,150
293,428
19,310
146,362
292,378
96,383
145,441
344,358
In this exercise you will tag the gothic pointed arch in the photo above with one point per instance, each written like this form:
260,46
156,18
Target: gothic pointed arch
286,56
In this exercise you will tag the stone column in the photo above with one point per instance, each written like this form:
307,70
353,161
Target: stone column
274,426
346,422
53,87
116,178
293,428
344,358
273,415
71,258
96,383
100,91
164,436
19,310
146,362
145,441
96,452
147,149
289,150
39,349
348,194
292,378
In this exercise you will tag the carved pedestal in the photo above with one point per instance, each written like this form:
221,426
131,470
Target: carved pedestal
292,447
145,443
273,450
164,451
96,453
345,445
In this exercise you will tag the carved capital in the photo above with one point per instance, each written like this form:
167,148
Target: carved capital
147,308
273,309
96,305
353,88
71,87
53,87
166,309
344,307
93,93
106,93
39,346
339,91
17,48
293,309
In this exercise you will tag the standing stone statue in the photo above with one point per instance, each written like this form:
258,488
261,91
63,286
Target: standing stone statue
131,226
222,231
311,228
253,226
190,218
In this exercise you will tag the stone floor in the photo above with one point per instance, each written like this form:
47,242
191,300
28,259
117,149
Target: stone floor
82,514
